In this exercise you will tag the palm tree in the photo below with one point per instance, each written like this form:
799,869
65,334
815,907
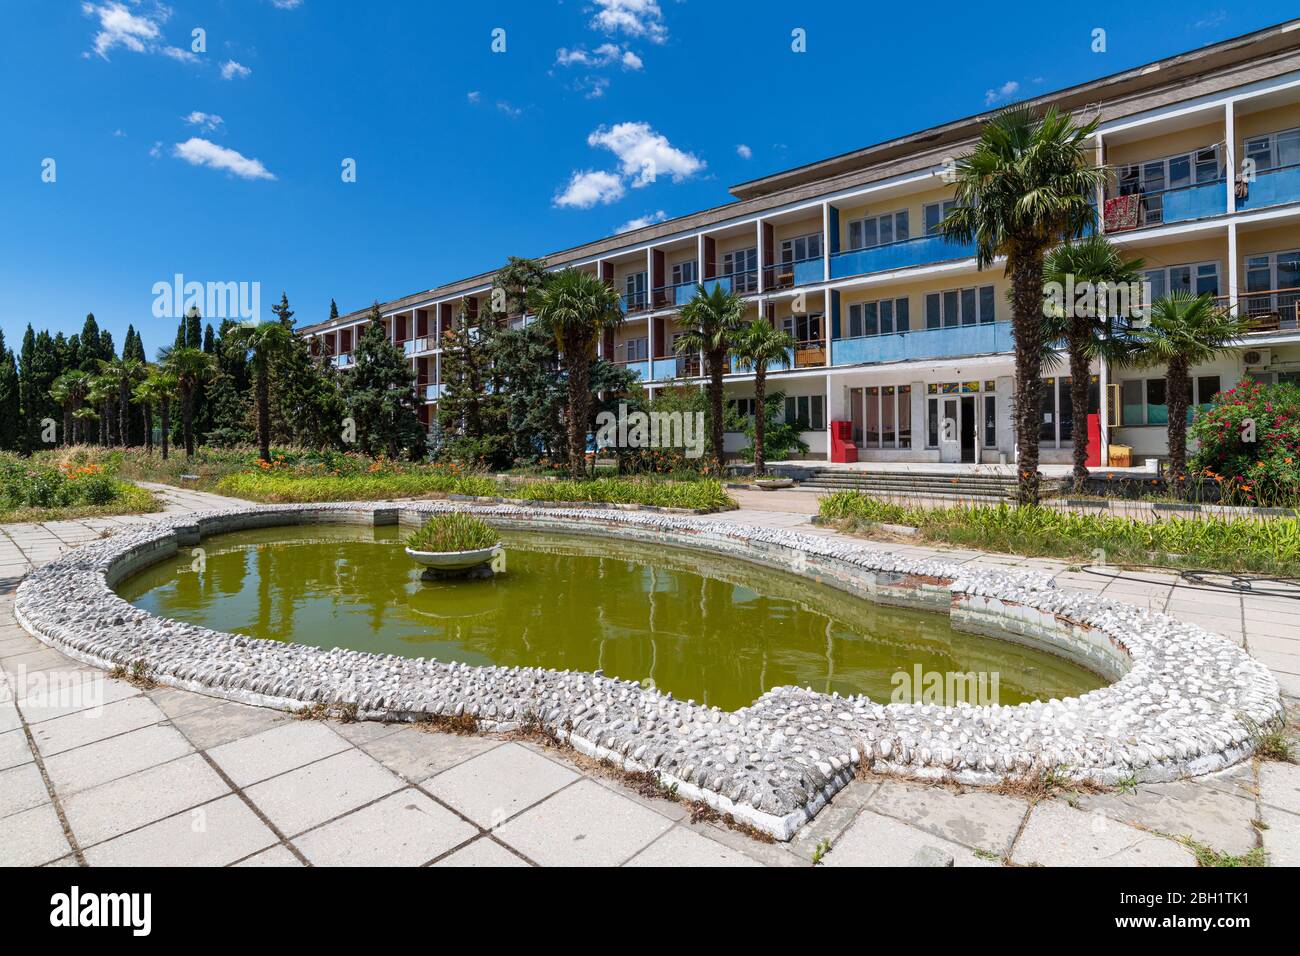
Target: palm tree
100,395
264,343
157,390
1088,337
577,307
82,418
758,345
70,390
1025,187
122,375
191,368
713,320
1184,330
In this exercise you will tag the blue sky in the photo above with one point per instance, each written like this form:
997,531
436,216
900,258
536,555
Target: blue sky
225,164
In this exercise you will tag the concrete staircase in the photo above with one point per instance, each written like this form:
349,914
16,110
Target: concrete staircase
904,484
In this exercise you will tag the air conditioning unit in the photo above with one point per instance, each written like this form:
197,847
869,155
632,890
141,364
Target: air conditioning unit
1256,358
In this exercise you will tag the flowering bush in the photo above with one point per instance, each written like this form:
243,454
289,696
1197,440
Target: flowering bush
1249,442
29,483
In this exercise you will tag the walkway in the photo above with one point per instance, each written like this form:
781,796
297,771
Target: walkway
96,771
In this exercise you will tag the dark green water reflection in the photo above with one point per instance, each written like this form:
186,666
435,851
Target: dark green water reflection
716,630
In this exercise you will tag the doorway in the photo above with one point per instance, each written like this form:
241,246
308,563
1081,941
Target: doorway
968,422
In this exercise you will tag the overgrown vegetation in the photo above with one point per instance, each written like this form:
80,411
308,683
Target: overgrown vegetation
1249,443
453,532
35,490
1269,545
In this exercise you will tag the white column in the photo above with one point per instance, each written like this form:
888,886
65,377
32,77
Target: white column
762,276
826,241
1101,187
1233,279
828,411
1230,137
649,322
1104,412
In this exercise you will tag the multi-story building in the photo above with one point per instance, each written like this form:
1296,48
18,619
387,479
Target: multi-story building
897,329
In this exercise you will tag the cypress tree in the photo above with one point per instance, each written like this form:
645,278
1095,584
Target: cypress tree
380,397
11,413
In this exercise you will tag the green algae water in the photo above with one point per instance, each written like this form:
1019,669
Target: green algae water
717,630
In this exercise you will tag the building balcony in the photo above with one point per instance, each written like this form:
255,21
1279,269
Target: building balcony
641,369
344,361
741,283
432,392
787,275
1164,207
810,354
907,254
1272,187
417,346
922,344
669,296
634,302
1271,310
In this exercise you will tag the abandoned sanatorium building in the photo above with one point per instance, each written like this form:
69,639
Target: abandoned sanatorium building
897,329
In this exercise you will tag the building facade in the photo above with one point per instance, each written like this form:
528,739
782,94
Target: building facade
897,328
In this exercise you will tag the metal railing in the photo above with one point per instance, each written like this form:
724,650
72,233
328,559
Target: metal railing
810,353
784,275
1269,310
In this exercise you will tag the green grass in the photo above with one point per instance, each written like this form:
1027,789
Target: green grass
129,500
1270,545
704,494
284,487
453,532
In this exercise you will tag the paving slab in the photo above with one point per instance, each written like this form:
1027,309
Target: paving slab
21,788
683,847
1279,785
212,835
14,749
286,746
307,797
213,726
876,840
1059,835
417,755
127,803
974,818
105,760
77,730
78,692
1182,808
482,852
174,702
33,837
494,786
1281,836
275,856
405,829
583,825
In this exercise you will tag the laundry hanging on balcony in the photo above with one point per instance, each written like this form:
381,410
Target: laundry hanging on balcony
1121,212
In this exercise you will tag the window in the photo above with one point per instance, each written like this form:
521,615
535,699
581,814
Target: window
1144,402
878,318
801,248
990,421
1153,177
1198,279
685,272
809,410
743,407
1207,386
886,416
635,285
803,328
638,350
1274,151
935,213
878,230
742,260
960,307
1047,420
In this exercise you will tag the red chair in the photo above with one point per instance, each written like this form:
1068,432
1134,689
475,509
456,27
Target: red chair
842,447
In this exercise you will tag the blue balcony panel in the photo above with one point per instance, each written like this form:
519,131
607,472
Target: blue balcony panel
640,369
711,284
664,369
924,344
684,293
1274,187
922,251
809,271
1195,202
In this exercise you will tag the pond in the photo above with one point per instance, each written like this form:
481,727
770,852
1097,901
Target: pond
717,630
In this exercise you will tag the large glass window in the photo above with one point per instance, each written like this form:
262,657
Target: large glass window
935,213
878,230
1274,150
960,307
801,247
1196,278
684,272
808,409
878,318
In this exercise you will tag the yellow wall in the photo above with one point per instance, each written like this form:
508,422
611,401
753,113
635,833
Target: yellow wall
1266,121
1283,239
914,203
1165,144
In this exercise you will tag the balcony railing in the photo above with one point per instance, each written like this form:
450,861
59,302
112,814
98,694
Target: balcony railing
810,353
634,302
432,392
921,344
1164,206
921,251
741,283
416,346
1270,310
668,296
1272,187
344,361
787,275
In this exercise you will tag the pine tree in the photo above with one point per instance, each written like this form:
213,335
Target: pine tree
11,413
334,310
90,344
283,312
380,395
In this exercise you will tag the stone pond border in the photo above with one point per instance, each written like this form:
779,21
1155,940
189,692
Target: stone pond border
1183,702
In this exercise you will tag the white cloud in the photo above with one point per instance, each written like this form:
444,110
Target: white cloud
1006,90
473,96
176,53
119,133
589,188
156,149
118,26
603,55
514,112
636,18
744,152
286,4
644,154
232,68
595,86
202,152
207,121
641,222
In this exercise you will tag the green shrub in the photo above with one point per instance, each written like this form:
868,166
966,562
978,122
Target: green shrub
284,487
39,488
453,532
1264,470
703,494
